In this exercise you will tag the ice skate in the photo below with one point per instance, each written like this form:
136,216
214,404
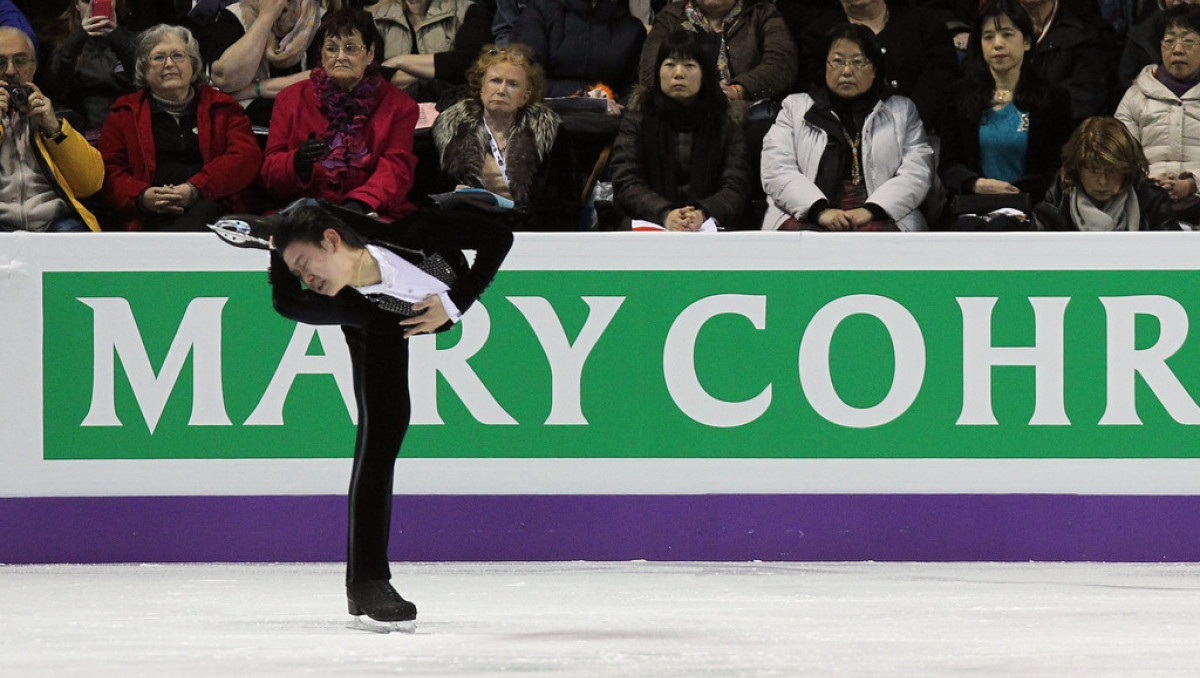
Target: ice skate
378,608
243,230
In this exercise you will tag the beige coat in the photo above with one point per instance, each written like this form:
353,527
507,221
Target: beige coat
1168,126
442,22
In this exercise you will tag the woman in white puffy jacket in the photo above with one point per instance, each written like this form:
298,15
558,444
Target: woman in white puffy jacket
1162,111
850,155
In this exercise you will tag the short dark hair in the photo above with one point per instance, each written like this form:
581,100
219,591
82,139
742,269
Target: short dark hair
684,45
306,223
865,39
1185,17
343,22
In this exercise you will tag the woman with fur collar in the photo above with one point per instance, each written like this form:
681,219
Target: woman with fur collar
503,139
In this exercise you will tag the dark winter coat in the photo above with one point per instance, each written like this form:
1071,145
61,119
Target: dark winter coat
639,200
583,42
1049,128
1054,214
919,58
762,56
1072,56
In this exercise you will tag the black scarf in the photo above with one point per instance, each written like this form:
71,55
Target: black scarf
838,116
661,124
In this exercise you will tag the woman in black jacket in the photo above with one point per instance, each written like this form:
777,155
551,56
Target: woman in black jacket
1007,126
679,159
1103,185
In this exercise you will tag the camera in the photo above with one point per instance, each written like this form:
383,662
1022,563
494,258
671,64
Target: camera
18,95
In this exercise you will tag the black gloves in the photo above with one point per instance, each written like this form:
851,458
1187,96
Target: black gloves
309,152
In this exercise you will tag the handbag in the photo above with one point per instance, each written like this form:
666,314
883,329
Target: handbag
985,203
765,110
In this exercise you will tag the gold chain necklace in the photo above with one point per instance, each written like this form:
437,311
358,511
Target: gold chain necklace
855,163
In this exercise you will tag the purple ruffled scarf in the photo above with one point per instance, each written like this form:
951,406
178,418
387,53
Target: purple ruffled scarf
348,114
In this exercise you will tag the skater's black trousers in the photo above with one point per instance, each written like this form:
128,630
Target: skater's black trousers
379,356
380,362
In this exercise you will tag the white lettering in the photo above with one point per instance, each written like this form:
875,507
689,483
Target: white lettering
566,359
296,361
908,347
1045,356
426,360
1125,360
679,363
116,332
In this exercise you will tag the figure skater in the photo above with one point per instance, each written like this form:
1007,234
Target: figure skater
383,283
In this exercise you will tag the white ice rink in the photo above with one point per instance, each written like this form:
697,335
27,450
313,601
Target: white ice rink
608,619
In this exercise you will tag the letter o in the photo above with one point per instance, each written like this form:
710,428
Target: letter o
908,345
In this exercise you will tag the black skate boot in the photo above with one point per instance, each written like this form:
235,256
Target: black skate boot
385,610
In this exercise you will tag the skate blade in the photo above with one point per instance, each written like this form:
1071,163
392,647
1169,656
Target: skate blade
365,623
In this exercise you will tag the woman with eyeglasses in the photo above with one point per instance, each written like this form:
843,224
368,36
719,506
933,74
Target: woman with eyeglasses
1103,185
503,139
178,153
1162,111
1006,127
344,135
850,155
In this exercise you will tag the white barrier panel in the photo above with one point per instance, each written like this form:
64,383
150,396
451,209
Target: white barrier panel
741,363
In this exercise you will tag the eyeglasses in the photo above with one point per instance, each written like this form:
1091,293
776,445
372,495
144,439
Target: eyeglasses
350,50
17,61
838,63
1187,44
161,59
1106,172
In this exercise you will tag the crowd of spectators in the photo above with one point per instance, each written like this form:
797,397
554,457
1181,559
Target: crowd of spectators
594,114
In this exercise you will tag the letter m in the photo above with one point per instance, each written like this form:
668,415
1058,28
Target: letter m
116,333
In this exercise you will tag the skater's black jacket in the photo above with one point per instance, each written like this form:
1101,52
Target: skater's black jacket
414,237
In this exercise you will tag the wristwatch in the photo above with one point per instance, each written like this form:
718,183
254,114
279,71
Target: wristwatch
56,138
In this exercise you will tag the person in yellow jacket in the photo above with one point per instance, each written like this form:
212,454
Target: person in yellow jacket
46,166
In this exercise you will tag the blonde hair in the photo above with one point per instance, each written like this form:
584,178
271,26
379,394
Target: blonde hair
1103,142
515,54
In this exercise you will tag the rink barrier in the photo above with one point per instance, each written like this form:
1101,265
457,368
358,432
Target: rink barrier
621,396
626,527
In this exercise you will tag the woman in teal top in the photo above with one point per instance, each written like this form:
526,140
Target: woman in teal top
1007,127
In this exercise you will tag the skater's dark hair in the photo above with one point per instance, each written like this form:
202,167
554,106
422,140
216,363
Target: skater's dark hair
307,224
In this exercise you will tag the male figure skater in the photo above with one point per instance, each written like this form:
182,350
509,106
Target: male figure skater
383,283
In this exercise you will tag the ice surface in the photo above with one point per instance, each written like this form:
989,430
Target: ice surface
608,619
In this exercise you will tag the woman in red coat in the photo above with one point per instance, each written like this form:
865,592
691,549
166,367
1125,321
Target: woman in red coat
344,135
178,154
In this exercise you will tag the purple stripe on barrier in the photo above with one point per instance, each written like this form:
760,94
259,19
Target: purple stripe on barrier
610,527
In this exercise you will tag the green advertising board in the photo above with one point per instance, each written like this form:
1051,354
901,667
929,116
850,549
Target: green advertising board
792,364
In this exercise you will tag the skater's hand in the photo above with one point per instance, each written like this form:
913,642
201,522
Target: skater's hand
434,316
